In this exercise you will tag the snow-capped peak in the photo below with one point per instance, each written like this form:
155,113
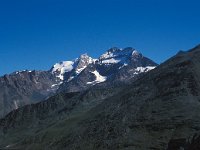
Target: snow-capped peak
118,55
135,53
78,65
63,67
82,62
112,61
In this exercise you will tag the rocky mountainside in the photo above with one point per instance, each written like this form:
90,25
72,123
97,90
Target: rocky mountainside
160,110
114,67
27,87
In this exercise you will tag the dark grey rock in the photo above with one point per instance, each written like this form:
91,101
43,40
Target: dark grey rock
26,87
125,69
160,110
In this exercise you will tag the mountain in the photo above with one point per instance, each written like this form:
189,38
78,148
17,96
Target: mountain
25,87
159,110
67,70
116,66
28,87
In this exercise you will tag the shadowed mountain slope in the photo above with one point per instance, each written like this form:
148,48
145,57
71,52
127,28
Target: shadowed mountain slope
115,66
25,87
158,111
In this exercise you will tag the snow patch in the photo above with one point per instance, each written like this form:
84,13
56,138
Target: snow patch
63,67
54,85
111,61
78,71
99,78
16,106
18,72
78,65
144,69
124,65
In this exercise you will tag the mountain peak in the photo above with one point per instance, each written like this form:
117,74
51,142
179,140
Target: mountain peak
113,50
82,62
83,56
78,65
116,55
62,67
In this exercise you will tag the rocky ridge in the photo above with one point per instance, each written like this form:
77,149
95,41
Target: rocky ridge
160,110
27,87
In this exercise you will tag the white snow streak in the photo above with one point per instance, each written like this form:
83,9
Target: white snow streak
99,78
110,61
144,69
15,103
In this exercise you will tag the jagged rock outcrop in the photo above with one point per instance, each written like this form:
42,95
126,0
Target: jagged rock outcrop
116,66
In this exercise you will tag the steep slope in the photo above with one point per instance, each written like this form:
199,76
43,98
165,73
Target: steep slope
158,111
116,66
67,70
25,87
36,118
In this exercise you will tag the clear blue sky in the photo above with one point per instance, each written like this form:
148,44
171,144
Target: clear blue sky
35,34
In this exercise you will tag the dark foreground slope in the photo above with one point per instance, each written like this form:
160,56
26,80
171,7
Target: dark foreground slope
158,111
58,114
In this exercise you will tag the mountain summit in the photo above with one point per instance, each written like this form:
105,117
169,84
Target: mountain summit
158,111
116,55
76,66
116,66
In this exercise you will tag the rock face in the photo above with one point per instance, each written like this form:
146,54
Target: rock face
28,87
67,70
25,87
160,110
116,66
